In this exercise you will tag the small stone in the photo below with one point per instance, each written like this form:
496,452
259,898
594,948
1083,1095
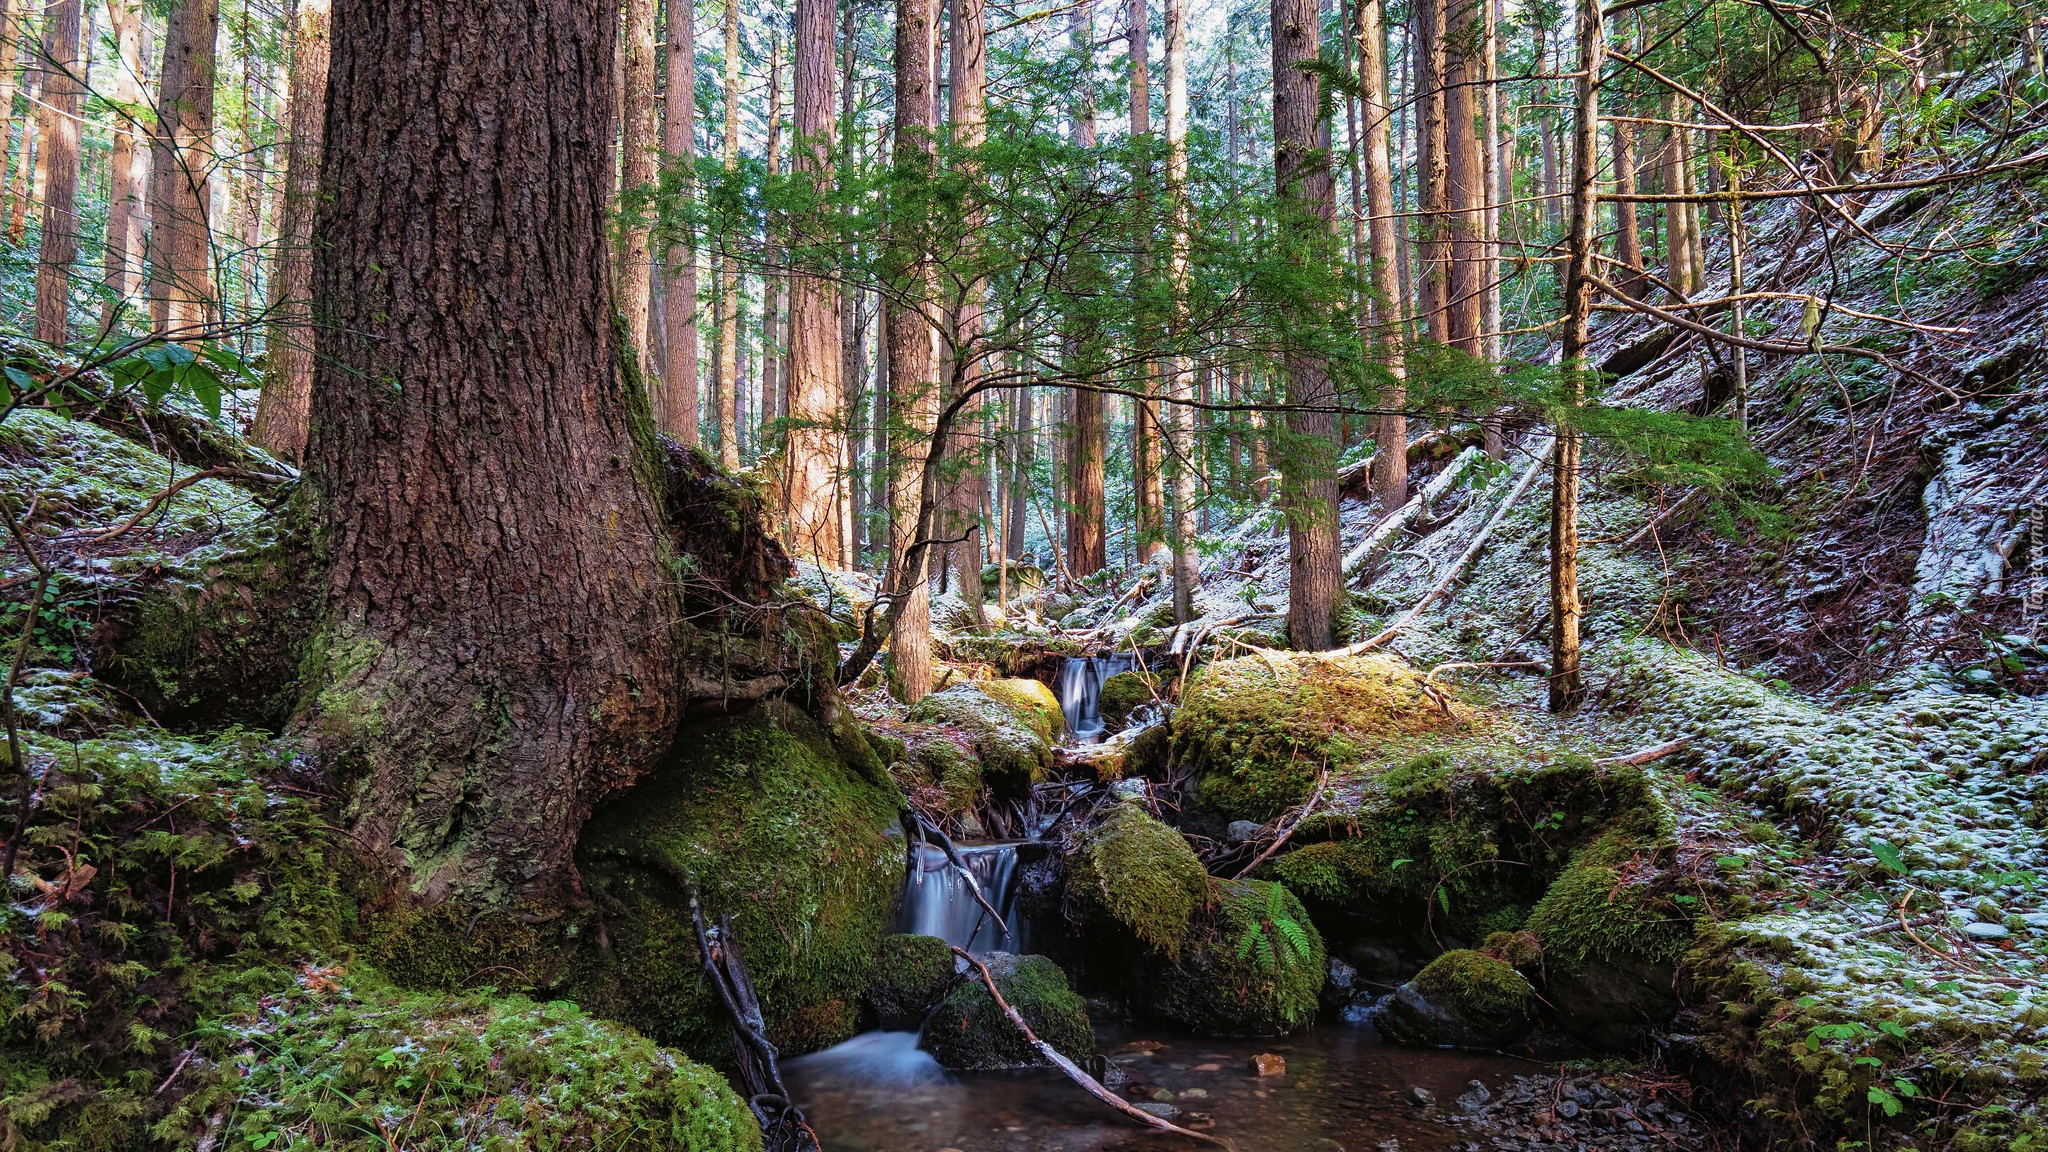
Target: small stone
1162,1095
1198,1122
1421,1097
1207,1068
1341,974
2035,919
1391,1144
1568,1109
1129,789
1240,831
1194,1094
1268,1064
1161,1110
1983,931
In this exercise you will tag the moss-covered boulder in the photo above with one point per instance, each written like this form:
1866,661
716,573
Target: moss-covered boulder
1010,723
1251,964
1462,998
1257,731
1611,931
970,1033
911,974
346,1062
1122,694
777,827
1140,877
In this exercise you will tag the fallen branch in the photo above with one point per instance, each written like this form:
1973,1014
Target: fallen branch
1644,756
1321,782
783,1129
1458,566
1382,537
1088,1083
176,487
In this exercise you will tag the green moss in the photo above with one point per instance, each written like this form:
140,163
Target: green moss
1251,965
969,1032
1613,904
911,973
1480,988
1123,693
1258,731
777,830
1141,875
350,1063
1009,726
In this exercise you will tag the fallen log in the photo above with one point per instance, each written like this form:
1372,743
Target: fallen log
1355,480
1380,540
1088,1083
1654,752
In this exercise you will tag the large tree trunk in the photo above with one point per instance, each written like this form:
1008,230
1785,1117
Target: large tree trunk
1432,145
1087,507
1148,528
498,647
771,283
63,92
288,381
1180,382
1390,440
1566,608
967,106
1465,187
1628,246
24,180
811,461
127,185
675,401
725,402
913,383
181,292
1306,198
638,163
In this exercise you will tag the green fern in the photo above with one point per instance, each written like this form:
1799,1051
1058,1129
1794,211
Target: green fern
1268,941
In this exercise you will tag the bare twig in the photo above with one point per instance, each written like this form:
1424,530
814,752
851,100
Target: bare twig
1306,809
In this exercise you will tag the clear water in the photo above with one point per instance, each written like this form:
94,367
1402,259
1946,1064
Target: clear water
878,1093
937,902
1080,685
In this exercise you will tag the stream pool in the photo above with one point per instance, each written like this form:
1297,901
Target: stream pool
1342,1089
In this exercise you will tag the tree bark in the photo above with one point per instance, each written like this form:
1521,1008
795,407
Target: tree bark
128,180
771,282
181,286
638,165
24,179
1628,229
13,50
1180,382
1566,686
1390,440
1087,507
913,383
811,460
1148,529
967,107
725,401
63,92
676,398
1432,144
1465,186
497,650
288,380
1306,197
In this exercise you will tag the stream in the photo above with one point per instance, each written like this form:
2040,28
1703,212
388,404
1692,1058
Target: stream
1342,1089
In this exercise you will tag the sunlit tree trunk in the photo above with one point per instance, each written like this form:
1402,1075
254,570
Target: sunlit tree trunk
180,245
1433,247
1180,378
497,648
1148,530
771,281
25,167
1306,205
1390,439
810,472
128,165
63,93
638,164
725,403
1087,548
676,399
1679,223
967,107
1465,186
852,349
288,378
13,50
1566,686
1628,246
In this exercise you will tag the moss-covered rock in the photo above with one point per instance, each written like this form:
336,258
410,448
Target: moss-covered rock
1257,731
1141,877
780,831
1251,964
1122,694
1010,723
1462,998
349,1063
970,1033
911,973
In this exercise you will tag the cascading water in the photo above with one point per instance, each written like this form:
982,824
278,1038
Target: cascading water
1080,689
937,903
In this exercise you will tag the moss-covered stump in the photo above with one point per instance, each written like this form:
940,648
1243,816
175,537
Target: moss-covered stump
1010,723
970,1033
1460,999
1134,876
1257,731
1251,964
1122,694
778,829
348,1063
911,974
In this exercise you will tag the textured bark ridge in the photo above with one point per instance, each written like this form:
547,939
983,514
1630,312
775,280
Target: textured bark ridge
498,648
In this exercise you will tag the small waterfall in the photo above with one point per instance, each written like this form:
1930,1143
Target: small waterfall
937,902
1080,687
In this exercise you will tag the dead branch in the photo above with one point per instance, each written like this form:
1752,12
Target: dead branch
959,865
1645,755
1306,809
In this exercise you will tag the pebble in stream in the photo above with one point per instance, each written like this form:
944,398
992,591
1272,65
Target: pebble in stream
1567,1113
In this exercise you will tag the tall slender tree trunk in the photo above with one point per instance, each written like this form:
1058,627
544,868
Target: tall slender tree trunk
1679,225
852,365
1306,205
639,163
1465,187
771,280
676,400
1432,142
1087,508
913,381
288,379
25,167
967,108
63,93
128,166
1566,686
1180,381
1022,455
1148,530
1390,439
13,37
1546,131
1628,247
181,289
725,403
498,649
812,457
